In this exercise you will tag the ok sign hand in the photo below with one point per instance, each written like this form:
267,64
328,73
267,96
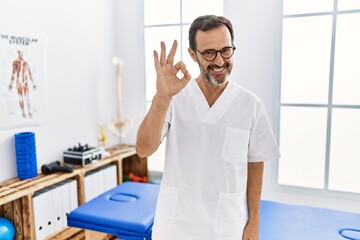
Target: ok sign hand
167,83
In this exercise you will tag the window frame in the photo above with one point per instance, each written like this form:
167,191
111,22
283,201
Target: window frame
329,106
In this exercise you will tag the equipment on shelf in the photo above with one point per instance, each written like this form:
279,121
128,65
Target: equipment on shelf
82,154
55,167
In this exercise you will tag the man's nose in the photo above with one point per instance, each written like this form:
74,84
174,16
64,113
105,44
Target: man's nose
218,60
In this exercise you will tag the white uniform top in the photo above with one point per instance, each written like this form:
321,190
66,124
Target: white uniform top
203,190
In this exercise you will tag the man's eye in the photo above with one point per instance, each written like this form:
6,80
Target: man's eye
225,51
209,53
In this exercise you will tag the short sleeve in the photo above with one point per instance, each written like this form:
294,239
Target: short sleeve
167,122
262,143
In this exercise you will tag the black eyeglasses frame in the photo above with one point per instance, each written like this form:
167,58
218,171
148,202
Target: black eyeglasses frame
216,52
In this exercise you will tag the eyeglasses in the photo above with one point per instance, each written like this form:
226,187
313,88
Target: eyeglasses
210,54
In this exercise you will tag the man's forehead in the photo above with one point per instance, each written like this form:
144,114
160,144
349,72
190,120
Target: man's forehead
215,38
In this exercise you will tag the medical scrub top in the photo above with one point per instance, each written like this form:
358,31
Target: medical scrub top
203,189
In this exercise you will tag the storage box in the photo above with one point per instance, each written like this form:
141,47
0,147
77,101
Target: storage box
82,155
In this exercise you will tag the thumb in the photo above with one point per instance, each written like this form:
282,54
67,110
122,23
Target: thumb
186,78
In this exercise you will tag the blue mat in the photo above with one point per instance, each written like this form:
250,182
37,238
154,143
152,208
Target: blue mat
126,211
292,222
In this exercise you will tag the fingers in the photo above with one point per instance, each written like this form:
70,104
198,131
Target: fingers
163,54
156,60
180,66
187,76
170,59
163,61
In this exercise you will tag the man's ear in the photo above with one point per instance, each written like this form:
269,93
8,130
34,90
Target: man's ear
192,54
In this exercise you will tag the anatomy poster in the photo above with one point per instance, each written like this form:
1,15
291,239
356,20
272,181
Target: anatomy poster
22,80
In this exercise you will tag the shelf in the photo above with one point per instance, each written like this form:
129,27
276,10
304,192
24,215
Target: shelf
16,195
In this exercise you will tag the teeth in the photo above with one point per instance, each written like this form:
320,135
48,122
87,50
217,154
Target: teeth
217,69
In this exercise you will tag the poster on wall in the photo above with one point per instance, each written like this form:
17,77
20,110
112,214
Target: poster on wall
22,80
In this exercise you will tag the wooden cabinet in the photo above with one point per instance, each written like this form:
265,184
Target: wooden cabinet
16,196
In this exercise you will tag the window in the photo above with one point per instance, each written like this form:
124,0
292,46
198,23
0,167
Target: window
320,95
167,26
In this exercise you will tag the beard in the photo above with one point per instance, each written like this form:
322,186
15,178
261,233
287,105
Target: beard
215,79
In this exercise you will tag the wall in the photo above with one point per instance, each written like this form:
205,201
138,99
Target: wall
83,37
257,26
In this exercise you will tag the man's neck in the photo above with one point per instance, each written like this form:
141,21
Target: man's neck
211,93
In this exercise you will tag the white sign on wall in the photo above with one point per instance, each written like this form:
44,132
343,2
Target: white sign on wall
22,80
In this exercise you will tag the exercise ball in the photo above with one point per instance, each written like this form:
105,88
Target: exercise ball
7,229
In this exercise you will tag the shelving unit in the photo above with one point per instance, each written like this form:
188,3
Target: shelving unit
16,202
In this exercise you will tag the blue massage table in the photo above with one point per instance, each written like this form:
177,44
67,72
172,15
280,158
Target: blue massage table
127,211
281,221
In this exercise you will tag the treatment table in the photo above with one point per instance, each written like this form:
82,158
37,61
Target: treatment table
127,211
281,221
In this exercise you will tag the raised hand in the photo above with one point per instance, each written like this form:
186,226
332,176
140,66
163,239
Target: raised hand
167,83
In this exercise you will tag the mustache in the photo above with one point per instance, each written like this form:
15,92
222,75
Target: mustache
225,65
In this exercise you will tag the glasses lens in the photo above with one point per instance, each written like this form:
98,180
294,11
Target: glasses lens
227,52
209,55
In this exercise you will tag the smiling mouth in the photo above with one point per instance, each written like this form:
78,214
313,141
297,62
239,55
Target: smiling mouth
218,69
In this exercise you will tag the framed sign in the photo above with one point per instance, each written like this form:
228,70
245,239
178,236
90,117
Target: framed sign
22,80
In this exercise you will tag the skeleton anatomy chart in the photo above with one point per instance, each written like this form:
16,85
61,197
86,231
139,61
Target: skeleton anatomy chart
22,80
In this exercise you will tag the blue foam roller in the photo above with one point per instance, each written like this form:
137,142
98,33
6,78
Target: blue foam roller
26,155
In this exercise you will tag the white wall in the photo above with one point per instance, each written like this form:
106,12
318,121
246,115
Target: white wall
130,46
83,36
257,26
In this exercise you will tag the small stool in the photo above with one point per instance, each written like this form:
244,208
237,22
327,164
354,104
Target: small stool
126,211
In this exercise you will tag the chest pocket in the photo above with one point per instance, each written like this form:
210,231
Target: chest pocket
235,147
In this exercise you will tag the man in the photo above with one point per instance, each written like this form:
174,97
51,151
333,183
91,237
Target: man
218,136
21,72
